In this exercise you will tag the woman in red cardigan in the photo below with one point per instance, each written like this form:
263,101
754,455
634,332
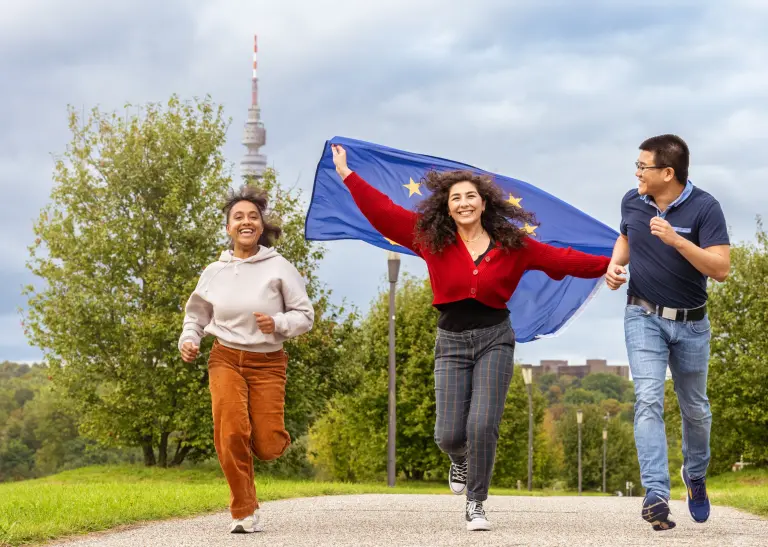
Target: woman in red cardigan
475,257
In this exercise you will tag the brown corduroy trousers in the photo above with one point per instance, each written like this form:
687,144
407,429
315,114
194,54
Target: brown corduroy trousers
248,400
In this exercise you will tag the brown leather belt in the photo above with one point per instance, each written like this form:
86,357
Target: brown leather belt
674,314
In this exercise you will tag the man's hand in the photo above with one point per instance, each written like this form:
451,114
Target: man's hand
614,277
189,351
664,231
265,323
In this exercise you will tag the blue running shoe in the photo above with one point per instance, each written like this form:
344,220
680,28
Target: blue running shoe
696,496
656,511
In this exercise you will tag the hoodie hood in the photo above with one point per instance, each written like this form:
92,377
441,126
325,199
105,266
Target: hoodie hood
264,253
228,258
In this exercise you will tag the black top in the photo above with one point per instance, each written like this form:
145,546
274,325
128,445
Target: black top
658,272
470,314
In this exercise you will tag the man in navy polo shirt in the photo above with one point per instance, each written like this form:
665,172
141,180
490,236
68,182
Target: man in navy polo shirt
673,236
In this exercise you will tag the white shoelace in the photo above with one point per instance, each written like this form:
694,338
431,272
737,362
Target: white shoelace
459,473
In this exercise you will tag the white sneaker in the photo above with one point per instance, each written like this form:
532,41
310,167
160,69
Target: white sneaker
475,515
247,525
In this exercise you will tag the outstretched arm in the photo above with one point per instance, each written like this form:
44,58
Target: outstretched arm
615,277
557,262
389,219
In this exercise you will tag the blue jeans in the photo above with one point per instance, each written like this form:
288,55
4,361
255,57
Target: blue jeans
652,343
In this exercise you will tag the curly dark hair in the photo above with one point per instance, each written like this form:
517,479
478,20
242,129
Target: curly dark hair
436,229
259,198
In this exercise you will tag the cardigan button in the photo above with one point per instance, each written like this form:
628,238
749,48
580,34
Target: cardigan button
473,291
474,272
487,258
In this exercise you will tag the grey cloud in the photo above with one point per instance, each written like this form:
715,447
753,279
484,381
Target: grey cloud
558,94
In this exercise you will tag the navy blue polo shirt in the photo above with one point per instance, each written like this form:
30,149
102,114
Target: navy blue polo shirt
658,272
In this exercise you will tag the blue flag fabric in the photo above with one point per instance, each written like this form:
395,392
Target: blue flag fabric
540,306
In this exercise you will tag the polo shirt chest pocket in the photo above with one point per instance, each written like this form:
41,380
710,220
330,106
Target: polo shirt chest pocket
686,231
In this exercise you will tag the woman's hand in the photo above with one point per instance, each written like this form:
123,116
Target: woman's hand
340,161
189,351
265,322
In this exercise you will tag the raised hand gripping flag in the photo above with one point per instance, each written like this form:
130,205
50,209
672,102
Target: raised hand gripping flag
540,306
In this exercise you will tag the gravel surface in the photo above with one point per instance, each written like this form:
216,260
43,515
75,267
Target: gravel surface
438,520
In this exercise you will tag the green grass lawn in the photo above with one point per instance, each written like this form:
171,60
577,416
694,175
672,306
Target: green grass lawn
747,490
99,498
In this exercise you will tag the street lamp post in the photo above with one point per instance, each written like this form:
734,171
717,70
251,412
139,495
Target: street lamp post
579,420
605,444
605,448
393,265
528,379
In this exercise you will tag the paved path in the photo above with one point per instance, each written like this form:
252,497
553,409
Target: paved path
420,520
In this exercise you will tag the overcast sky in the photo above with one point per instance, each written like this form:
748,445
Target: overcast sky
556,93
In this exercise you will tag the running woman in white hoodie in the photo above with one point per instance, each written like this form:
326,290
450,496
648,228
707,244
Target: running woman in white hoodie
252,300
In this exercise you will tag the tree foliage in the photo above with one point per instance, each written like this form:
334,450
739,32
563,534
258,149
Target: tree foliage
134,218
738,377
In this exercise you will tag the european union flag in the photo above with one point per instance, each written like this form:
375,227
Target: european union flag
540,306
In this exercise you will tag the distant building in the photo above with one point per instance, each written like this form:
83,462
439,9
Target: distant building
592,366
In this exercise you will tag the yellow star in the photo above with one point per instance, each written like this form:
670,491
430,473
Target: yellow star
530,230
413,188
515,201
392,242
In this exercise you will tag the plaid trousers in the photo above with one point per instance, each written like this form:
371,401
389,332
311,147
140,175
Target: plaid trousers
473,370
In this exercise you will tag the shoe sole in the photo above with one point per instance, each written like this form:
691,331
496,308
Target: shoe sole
482,526
687,499
661,525
240,529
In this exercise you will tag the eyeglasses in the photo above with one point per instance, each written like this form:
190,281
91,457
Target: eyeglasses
640,167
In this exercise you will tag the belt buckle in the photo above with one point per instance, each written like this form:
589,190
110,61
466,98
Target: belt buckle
669,313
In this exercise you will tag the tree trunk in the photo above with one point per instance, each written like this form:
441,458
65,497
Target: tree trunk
149,452
163,450
181,453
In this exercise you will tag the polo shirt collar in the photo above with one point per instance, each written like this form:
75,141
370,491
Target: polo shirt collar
680,199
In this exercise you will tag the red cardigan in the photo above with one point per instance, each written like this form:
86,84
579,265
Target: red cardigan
453,273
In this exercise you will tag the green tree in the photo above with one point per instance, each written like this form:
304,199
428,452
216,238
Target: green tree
580,396
512,449
738,378
134,218
349,441
611,386
621,458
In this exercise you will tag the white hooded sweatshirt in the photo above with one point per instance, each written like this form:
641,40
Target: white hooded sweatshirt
231,290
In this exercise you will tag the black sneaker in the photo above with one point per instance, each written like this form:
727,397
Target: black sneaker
656,511
457,477
475,516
